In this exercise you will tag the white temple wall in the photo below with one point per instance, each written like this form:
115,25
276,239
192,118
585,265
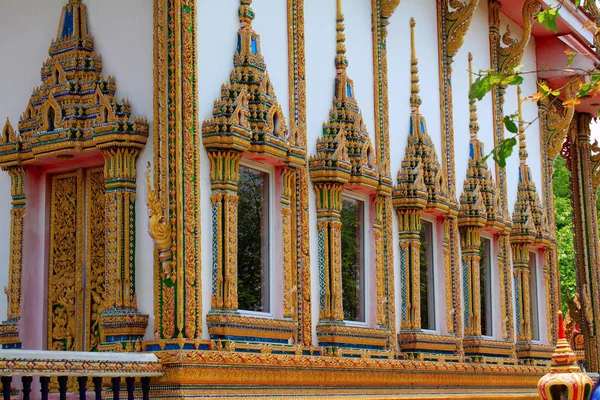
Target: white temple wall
125,41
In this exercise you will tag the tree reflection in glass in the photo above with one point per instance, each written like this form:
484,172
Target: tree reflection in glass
353,259
253,240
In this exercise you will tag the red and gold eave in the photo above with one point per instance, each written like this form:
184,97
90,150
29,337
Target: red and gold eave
575,34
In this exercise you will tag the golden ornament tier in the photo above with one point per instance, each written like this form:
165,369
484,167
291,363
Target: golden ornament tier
225,373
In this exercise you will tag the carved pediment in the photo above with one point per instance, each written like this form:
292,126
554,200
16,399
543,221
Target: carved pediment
262,127
479,199
69,112
420,161
528,219
347,126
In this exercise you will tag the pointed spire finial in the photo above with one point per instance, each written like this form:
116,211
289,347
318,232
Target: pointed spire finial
522,144
245,13
341,61
415,99
473,125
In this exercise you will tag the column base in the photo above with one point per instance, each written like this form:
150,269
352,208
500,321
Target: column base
339,335
425,346
480,348
231,325
122,329
9,334
532,353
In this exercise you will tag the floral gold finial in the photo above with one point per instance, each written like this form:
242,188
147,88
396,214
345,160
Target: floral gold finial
415,99
341,61
473,124
245,13
522,144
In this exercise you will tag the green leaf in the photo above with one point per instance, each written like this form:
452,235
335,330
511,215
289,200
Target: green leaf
584,89
503,150
510,124
187,9
512,80
484,84
546,90
479,88
570,60
548,19
518,68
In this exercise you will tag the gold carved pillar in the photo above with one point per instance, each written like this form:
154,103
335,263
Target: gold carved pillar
586,234
409,225
378,238
120,321
224,177
382,12
470,243
522,273
9,332
520,252
329,225
288,223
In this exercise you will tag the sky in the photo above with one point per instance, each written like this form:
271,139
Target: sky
595,128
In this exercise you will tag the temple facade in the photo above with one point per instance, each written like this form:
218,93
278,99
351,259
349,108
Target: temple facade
294,198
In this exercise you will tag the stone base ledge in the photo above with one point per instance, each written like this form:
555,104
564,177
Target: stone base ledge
72,363
260,375
9,334
236,327
534,353
419,341
337,334
481,346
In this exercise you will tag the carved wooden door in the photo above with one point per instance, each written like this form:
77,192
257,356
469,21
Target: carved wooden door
76,260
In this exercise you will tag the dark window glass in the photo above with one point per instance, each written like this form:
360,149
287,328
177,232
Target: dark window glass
485,286
253,240
426,276
353,259
533,275
51,117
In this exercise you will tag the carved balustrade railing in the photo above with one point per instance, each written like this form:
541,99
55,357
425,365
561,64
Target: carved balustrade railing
79,367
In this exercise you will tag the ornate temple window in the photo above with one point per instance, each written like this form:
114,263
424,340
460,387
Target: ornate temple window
253,157
528,237
427,274
342,166
422,206
254,239
354,218
481,222
534,298
89,160
486,279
